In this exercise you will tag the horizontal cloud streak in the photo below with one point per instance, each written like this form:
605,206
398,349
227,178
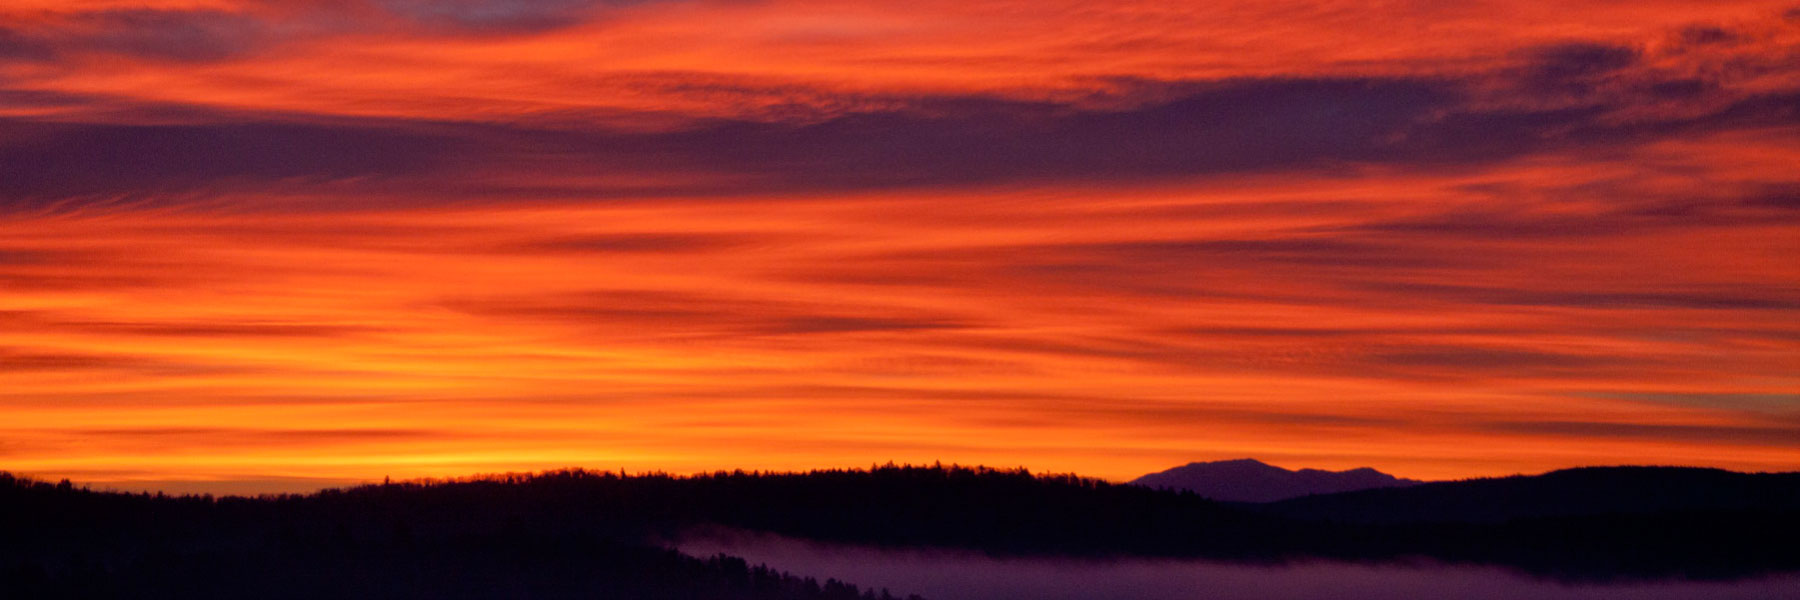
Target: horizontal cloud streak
1241,127
179,35
1773,435
502,16
673,313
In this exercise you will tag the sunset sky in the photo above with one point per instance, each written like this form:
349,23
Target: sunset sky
256,245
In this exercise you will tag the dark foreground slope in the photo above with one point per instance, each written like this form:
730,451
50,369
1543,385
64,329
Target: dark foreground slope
1251,480
583,534
1569,493
522,538
1616,535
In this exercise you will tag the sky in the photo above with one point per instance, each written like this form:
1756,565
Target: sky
261,245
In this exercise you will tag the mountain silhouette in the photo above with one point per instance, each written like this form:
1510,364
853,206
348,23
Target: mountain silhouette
1250,480
1558,494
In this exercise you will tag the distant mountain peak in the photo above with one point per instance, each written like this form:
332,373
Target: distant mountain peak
1235,461
1251,480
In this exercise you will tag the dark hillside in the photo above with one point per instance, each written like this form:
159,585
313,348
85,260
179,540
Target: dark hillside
472,540
573,533
1567,493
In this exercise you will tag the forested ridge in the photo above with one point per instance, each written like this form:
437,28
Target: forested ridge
576,533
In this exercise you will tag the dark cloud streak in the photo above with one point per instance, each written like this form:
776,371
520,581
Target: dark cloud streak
1237,127
1776,435
503,16
173,35
687,314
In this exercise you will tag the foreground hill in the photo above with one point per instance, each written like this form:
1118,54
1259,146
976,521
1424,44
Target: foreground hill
524,537
1250,480
579,534
1568,493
